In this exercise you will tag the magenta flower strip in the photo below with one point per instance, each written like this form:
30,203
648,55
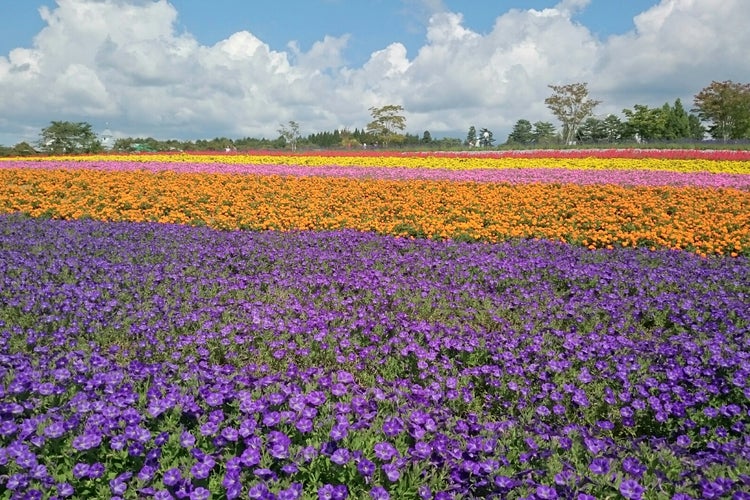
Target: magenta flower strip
510,176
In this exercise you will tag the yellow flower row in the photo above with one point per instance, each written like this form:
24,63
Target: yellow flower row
430,162
705,220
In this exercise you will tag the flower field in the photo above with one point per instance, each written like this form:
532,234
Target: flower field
526,325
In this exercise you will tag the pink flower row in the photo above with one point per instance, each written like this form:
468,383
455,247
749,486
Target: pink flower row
512,176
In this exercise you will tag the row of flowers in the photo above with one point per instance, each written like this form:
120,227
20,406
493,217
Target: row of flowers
518,175
704,220
143,360
731,165
603,153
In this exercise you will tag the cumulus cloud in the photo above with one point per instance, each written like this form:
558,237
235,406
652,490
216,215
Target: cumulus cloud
123,62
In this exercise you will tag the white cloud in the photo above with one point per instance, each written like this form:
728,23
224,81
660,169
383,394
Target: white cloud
123,62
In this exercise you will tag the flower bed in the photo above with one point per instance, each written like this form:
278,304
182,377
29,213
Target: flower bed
704,220
155,360
505,325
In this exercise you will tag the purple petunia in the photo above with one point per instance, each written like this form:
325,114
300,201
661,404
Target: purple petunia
379,493
631,490
385,451
172,476
599,466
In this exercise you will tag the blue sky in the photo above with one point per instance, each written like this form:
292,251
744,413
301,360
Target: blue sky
192,69
372,24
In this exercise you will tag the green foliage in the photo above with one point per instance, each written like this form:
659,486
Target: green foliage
386,123
667,123
485,138
63,137
571,105
290,134
471,136
522,133
726,105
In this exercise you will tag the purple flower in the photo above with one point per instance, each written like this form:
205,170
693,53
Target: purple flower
546,492
259,491
392,426
65,490
580,398
17,482
81,470
250,457
391,472
304,425
54,430
504,482
599,466
683,440
325,492
271,419
631,490
424,491
385,451
339,432
96,470
187,440
308,453
365,467
209,428
633,466
86,441
119,485
201,470
200,493
379,493
172,476
146,473
294,492
341,456
265,474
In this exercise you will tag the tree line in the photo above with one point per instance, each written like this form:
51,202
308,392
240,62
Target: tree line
721,110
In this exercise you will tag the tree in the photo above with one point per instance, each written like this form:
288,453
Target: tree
591,130
677,122
613,128
544,133
570,104
68,137
485,138
471,136
726,106
386,121
290,134
522,133
426,137
644,123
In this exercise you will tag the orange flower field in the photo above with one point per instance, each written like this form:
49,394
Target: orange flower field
702,219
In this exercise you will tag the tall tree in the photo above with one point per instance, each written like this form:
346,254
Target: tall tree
613,128
677,123
522,133
290,134
726,106
63,137
647,124
471,136
544,133
485,138
571,105
592,130
426,137
387,122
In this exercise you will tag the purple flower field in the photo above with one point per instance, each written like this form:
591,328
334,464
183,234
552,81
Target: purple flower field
166,361
511,176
